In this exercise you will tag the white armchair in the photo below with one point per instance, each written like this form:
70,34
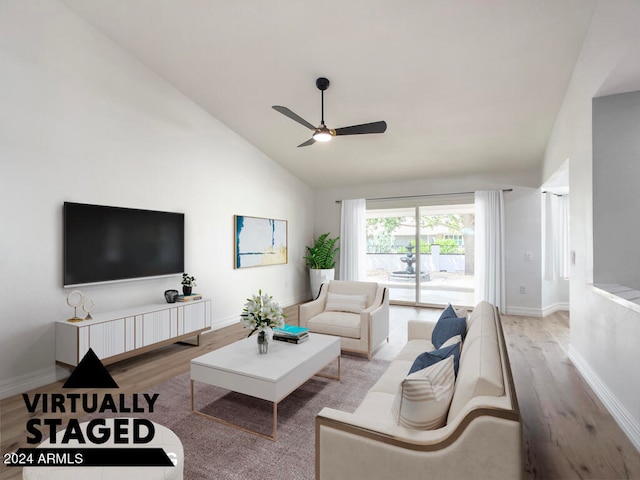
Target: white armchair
357,312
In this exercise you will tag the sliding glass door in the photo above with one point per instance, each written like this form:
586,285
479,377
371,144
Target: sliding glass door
391,236
446,254
423,253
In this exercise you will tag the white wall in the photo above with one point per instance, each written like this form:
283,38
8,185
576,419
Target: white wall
523,230
616,177
82,120
604,335
522,218
555,295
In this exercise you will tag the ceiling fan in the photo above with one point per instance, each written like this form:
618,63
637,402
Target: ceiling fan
324,134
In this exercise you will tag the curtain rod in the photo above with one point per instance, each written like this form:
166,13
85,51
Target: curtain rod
553,193
426,195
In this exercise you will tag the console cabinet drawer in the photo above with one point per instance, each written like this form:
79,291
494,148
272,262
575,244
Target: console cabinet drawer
194,317
156,326
105,339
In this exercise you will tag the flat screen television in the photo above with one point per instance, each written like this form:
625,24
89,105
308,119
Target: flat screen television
106,244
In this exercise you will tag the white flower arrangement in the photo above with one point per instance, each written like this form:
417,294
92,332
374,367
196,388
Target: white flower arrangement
261,313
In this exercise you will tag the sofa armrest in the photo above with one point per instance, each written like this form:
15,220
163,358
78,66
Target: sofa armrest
307,311
420,329
372,427
355,446
378,305
375,319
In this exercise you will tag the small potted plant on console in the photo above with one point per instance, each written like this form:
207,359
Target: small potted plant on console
188,282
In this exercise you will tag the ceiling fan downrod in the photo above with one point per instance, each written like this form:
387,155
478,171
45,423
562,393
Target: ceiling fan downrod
322,134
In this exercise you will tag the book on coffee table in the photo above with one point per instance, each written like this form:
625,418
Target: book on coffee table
286,338
292,331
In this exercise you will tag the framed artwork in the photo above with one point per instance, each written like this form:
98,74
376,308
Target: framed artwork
259,241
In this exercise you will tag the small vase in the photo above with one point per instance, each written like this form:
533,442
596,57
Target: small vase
171,295
186,290
263,343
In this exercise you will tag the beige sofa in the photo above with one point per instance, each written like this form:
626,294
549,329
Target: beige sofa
361,330
482,438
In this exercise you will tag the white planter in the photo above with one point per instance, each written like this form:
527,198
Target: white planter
318,276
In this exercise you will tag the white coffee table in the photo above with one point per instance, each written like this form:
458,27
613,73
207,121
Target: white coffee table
240,368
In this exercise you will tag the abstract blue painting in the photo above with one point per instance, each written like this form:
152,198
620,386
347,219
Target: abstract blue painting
259,241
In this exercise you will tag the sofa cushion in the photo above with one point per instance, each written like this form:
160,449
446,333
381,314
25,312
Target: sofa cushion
423,398
337,302
391,378
461,312
378,405
413,348
340,324
452,341
448,325
480,373
426,359
482,309
482,325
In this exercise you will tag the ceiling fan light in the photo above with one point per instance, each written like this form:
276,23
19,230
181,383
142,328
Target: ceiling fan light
322,135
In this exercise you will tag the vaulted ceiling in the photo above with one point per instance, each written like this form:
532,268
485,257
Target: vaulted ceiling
465,86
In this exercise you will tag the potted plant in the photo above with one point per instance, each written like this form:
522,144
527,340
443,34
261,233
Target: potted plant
321,261
261,314
188,282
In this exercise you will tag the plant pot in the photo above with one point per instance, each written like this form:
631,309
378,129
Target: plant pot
318,276
186,290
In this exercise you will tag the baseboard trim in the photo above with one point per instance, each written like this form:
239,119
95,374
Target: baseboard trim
537,312
229,320
296,300
627,423
556,307
524,311
224,322
29,381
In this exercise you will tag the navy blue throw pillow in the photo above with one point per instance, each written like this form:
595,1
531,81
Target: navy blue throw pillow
449,325
427,359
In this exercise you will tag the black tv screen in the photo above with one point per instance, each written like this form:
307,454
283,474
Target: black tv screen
103,244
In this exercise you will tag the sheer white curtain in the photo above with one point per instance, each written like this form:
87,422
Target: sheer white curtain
353,240
556,236
550,270
563,237
489,248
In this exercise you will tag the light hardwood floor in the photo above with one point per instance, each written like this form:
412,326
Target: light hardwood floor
567,432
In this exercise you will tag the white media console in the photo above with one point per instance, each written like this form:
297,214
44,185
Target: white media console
120,334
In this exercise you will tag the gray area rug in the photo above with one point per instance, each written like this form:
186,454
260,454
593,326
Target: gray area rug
216,451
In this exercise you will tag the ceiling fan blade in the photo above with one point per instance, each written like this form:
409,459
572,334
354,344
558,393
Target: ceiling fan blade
374,127
297,118
311,141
